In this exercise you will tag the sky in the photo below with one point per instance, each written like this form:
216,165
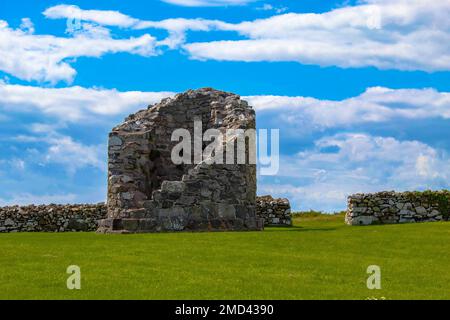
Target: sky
360,90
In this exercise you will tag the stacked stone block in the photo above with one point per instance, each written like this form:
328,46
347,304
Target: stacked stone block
85,217
394,207
51,218
274,211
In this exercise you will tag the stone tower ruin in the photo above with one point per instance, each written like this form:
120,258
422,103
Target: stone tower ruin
148,192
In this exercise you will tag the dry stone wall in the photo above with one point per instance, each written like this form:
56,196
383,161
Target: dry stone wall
51,218
274,211
394,207
85,217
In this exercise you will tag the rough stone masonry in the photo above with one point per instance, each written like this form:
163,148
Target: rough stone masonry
147,192
397,207
275,212
85,217
51,218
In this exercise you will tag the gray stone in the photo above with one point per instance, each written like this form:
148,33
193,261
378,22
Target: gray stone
57,218
363,220
421,210
115,141
77,225
274,211
9,222
226,211
434,213
141,147
173,186
407,207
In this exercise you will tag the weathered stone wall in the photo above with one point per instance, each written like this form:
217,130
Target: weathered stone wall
393,207
85,217
274,211
147,192
51,218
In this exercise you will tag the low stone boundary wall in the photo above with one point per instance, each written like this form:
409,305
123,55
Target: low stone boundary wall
84,217
274,211
394,207
51,218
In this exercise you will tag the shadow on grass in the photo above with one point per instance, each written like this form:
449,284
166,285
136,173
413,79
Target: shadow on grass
297,229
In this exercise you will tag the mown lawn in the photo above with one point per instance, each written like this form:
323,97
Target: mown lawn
318,258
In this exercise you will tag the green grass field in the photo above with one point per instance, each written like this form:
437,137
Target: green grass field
318,258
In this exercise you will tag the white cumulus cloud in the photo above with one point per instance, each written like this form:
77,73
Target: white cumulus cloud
103,17
176,27
74,104
376,104
44,57
53,147
397,34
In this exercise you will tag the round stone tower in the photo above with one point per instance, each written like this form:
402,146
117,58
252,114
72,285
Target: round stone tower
150,192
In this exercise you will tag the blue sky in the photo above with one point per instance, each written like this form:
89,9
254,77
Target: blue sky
358,89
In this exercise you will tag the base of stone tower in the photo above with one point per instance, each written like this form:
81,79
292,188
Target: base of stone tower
153,225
